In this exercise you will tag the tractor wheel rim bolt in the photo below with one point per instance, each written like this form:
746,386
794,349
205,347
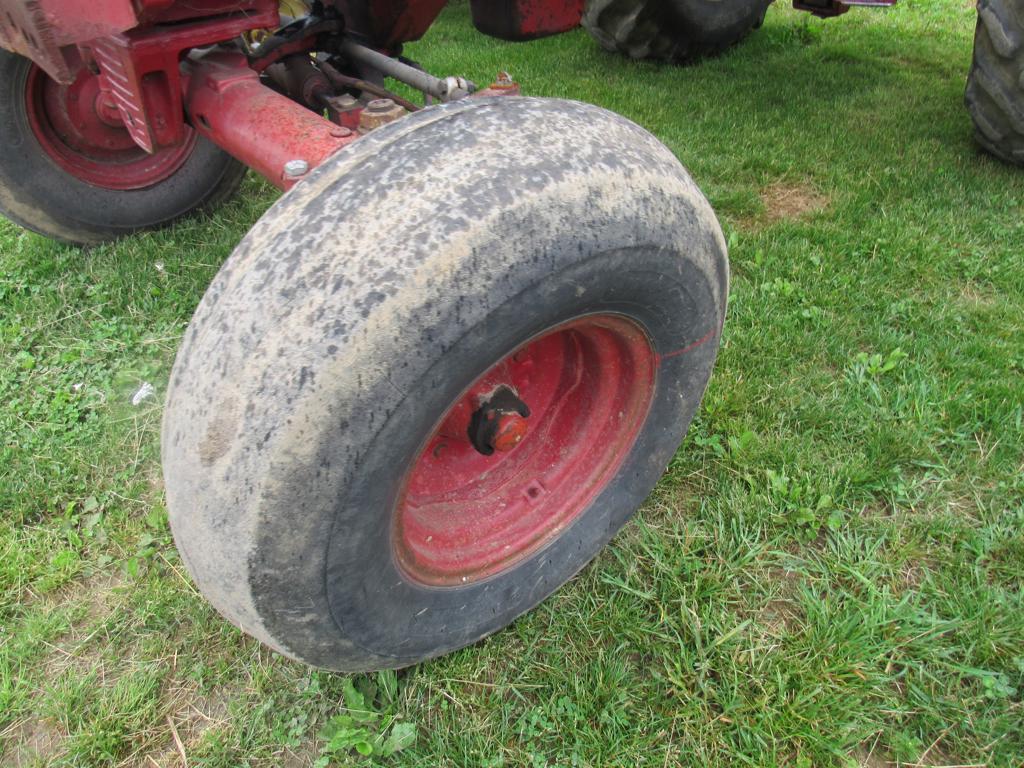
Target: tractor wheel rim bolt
294,169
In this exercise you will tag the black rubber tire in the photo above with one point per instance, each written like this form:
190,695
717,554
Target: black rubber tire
672,30
39,195
360,307
995,85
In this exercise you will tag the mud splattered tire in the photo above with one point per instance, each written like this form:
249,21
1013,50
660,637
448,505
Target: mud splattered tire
672,30
995,85
70,171
321,441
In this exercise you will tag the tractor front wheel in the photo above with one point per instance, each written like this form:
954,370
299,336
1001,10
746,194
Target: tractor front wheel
672,30
71,171
995,85
437,377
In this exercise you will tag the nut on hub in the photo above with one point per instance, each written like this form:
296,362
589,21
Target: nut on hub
499,424
377,113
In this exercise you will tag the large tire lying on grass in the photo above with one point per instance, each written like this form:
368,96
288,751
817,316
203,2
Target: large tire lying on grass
672,30
438,376
995,85
69,169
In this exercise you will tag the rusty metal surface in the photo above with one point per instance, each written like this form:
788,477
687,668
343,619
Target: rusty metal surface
46,30
265,130
379,112
39,29
503,85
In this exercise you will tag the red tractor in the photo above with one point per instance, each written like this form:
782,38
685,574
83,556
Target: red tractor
444,369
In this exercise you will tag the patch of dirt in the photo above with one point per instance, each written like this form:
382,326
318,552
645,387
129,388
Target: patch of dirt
98,594
783,200
31,741
871,758
781,612
97,598
976,297
778,615
191,715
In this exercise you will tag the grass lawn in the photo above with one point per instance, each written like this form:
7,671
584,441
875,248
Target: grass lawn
829,574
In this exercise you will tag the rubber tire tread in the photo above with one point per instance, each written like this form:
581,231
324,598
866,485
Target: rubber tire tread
363,303
672,30
995,85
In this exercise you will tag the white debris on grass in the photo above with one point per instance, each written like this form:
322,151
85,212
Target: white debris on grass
144,392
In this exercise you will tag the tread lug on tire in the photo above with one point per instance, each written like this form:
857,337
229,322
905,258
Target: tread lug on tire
335,484
672,30
995,85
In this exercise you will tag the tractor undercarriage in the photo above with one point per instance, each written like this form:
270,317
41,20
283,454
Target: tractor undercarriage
280,103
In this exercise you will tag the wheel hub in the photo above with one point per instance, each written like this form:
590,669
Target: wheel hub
498,479
81,130
500,422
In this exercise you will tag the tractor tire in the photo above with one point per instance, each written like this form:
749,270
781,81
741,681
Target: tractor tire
672,30
73,175
995,85
326,483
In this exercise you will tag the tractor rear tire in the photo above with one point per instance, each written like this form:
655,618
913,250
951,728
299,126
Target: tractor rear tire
325,485
672,30
995,85
74,176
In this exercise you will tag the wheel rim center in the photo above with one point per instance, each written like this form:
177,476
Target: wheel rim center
80,129
548,427
107,111
499,424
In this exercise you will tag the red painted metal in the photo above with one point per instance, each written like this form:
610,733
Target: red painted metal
42,30
170,11
463,516
80,129
141,69
46,31
525,19
512,428
228,104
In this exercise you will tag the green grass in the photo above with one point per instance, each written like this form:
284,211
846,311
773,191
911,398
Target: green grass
829,574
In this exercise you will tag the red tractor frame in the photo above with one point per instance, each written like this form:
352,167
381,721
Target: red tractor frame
147,64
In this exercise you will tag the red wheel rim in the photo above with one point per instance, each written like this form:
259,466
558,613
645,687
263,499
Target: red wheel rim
463,516
79,128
